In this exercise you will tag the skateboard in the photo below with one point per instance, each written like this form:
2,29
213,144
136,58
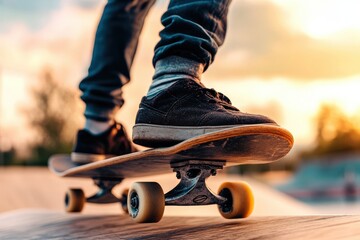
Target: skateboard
193,161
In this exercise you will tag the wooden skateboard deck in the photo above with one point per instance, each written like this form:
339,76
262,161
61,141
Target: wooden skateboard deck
252,144
193,160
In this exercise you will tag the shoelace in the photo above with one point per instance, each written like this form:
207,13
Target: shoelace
218,97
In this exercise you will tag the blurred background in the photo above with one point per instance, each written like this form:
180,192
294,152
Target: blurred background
295,61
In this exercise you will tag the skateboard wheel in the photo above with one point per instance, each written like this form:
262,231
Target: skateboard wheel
146,202
74,200
123,200
240,200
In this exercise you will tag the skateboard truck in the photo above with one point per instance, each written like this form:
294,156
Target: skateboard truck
104,195
146,200
192,189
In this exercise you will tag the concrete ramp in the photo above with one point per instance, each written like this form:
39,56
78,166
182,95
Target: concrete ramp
32,208
45,224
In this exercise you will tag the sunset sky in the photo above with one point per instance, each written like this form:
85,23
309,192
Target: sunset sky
281,58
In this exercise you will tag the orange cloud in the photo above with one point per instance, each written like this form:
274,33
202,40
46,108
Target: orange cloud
261,44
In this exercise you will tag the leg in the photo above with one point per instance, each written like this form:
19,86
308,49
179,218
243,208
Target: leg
115,46
178,106
114,50
193,31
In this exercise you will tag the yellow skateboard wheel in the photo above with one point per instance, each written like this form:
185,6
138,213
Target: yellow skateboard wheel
240,200
74,200
146,202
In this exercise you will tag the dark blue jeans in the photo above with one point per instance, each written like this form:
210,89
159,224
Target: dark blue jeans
193,29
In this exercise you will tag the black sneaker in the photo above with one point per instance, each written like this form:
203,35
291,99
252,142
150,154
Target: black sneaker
91,148
185,110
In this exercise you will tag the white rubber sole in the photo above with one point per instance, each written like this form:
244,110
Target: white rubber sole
151,135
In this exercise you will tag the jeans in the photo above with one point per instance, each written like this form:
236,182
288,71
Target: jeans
193,29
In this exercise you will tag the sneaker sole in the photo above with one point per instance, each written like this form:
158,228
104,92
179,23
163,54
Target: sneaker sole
150,135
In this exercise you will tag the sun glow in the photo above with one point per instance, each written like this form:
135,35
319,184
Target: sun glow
323,18
298,102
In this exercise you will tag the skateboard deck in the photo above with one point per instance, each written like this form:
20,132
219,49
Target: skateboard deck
239,145
193,160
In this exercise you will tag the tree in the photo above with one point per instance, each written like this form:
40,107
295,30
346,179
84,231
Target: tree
335,133
53,116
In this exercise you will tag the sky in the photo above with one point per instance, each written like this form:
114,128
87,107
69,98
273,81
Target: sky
281,58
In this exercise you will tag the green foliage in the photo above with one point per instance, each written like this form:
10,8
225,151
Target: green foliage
53,117
7,156
335,133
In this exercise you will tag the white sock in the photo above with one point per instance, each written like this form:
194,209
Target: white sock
164,82
172,69
97,127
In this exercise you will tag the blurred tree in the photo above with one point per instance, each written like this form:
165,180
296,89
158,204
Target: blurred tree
335,133
7,157
53,118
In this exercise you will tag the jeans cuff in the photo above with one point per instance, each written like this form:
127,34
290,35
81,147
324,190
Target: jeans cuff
99,113
178,65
